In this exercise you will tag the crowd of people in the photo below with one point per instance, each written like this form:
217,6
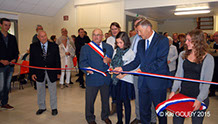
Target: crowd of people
193,55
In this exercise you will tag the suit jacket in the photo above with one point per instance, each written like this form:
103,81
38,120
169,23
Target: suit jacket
8,53
89,58
153,60
79,42
52,61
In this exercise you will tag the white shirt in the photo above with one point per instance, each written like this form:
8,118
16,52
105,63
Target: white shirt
111,40
150,39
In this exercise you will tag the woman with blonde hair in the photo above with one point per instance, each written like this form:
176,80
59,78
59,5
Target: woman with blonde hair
195,63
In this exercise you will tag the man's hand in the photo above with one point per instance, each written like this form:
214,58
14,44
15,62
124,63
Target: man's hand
14,60
197,105
5,62
171,95
34,77
90,72
168,61
58,76
118,69
106,60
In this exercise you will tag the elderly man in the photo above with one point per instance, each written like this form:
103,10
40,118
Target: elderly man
64,32
151,55
94,81
8,53
213,50
38,28
45,54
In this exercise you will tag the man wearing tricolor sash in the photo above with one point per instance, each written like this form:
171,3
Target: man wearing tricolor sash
96,54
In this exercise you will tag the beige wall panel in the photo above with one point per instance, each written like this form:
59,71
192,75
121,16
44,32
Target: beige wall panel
88,16
111,12
70,25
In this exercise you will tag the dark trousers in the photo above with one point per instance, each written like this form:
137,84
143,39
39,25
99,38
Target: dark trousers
5,83
146,97
119,108
80,79
91,93
197,118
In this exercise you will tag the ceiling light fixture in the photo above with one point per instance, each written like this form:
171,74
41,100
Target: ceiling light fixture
192,12
192,8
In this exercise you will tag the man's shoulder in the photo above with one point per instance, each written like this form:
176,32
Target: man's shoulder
107,45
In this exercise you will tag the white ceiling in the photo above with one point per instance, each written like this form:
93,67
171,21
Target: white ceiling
39,7
164,13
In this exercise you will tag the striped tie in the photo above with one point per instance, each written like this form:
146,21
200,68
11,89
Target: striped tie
43,52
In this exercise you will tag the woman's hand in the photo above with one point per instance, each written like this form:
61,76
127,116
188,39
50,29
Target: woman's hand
120,76
171,95
197,105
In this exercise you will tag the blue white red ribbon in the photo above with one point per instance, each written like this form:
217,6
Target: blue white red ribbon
167,77
97,49
127,72
94,70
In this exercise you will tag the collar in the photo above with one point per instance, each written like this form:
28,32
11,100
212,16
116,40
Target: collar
151,37
100,45
46,44
7,34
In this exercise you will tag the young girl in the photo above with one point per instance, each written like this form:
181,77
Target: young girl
123,83
194,63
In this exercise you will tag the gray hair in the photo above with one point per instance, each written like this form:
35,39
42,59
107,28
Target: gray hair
63,38
144,23
139,18
170,38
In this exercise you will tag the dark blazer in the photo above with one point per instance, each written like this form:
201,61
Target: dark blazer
153,60
11,52
52,61
79,42
89,58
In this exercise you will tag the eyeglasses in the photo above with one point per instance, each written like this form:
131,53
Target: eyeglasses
96,35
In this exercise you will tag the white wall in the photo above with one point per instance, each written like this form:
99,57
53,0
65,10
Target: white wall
177,26
100,16
69,9
26,28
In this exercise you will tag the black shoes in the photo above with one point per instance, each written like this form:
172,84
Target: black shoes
82,85
54,112
40,111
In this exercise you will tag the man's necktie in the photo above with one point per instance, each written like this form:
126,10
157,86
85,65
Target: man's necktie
43,52
147,44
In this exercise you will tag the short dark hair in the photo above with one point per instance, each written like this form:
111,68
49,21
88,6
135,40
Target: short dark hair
73,36
53,37
125,38
115,24
165,33
4,19
80,29
144,22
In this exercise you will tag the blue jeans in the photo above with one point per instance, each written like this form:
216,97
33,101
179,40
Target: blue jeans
5,83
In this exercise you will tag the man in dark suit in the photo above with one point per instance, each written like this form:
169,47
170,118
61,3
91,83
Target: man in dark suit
151,54
45,54
8,53
95,81
80,41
